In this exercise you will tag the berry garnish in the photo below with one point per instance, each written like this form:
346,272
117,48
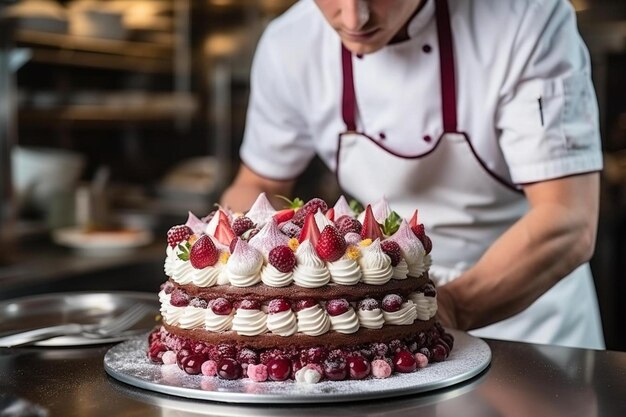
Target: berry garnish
290,229
346,224
429,290
359,367
192,364
420,232
310,231
305,303
198,303
278,305
335,369
392,249
449,339
311,207
248,356
368,304
179,298
404,362
250,305
224,233
330,214
229,368
178,234
284,215
331,245
241,225
315,355
282,258
232,245
156,351
371,228
278,369
203,253
221,307
392,303
167,287
337,307
439,353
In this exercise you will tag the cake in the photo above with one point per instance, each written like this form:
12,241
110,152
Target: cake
307,293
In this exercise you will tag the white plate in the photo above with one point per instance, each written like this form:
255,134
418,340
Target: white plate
102,243
128,363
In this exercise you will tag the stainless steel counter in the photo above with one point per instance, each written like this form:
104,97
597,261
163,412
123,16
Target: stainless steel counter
523,380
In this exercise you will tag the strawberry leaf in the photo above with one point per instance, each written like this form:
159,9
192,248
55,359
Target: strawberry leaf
184,251
356,207
296,203
392,224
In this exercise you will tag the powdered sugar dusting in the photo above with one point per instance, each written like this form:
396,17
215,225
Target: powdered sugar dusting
342,208
261,211
128,363
268,238
195,224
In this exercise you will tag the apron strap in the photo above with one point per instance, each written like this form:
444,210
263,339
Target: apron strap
447,69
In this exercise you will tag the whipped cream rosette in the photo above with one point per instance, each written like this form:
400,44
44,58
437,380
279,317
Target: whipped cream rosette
375,264
192,317
272,277
313,321
310,271
370,314
249,322
345,271
346,323
404,316
244,265
401,271
209,276
282,323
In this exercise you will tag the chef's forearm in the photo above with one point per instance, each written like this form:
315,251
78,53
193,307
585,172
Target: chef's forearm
247,186
548,243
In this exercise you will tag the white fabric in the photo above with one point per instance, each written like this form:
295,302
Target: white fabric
508,52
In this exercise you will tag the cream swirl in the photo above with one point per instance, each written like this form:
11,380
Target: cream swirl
346,323
170,259
268,238
172,314
371,319
208,276
217,323
322,221
400,271
192,318
425,307
182,271
313,321
272,277
250,322
283,323
164,299
244,265
375,264
405,316
345,271
222,278
261,211
310,271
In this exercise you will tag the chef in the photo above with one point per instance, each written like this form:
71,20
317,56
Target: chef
481,114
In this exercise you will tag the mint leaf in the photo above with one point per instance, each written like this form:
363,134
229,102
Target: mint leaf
296,203
184,251
392,224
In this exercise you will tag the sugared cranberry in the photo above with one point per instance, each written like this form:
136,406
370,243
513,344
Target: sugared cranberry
250,305
426,352
421,340
279,369
156,351
421,360
359,367
179,298
182,354
396,346
439,353
368,304
229,368
380,349
429,290
404,362
167,287
337,307
221,307
367,352
227,351
392,302
305,303
444,344
278,305
248,356
296,365
192,364
268,355
335,369
198,303
315,355
449,339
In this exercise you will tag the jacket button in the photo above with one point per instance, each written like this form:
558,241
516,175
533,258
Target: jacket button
427,138
427,49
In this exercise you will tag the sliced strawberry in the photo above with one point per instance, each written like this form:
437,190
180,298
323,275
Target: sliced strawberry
331,245
371,228
203,253
284,215
310,230
413,221
224,233
330,214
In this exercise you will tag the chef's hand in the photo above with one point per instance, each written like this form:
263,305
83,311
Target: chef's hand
446,311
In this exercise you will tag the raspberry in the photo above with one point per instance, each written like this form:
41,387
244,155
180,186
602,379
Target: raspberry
203,253
177,234
392,249
242,224
346,224
290,229
282,258
331,245
278,305
429,290
248,356
316,355
392,302
312,206
337,307
335,369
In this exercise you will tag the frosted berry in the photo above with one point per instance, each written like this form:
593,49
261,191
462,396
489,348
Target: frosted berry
421,360
279,369
250,305
368,304
316,355
179,298
178,234
192,364
203,253
337,307
291,229
156,351
346,224
305,303
282,258
439,353
359,367
229,368
331,245
198,303
392,303
392,249
404,362
241,225
420,232
247,356
312,206
278,305
167,287
429,290
426,352
232,245
335,369
221,307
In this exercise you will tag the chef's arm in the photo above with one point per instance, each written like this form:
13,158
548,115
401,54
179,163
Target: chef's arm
555,237
247,186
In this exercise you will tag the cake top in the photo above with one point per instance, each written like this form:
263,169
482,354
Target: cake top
309,243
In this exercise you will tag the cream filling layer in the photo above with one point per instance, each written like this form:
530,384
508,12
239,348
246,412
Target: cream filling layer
405,316
272,277
344,271
283,323
250,322
346,323
313,321
371,319
425,307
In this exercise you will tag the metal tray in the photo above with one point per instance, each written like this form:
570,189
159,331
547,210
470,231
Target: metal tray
128,363
74,307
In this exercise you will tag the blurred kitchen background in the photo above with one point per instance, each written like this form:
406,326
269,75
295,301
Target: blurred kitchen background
118,116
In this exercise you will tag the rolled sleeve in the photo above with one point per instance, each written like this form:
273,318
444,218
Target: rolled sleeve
548,115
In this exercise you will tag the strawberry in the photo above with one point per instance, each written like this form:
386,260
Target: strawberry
284,215
241,225
203,253
312,206
414,221
331,245
392,249
420,232
310,230
177,234
330,214
371,228
282,258
346,224
224,234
